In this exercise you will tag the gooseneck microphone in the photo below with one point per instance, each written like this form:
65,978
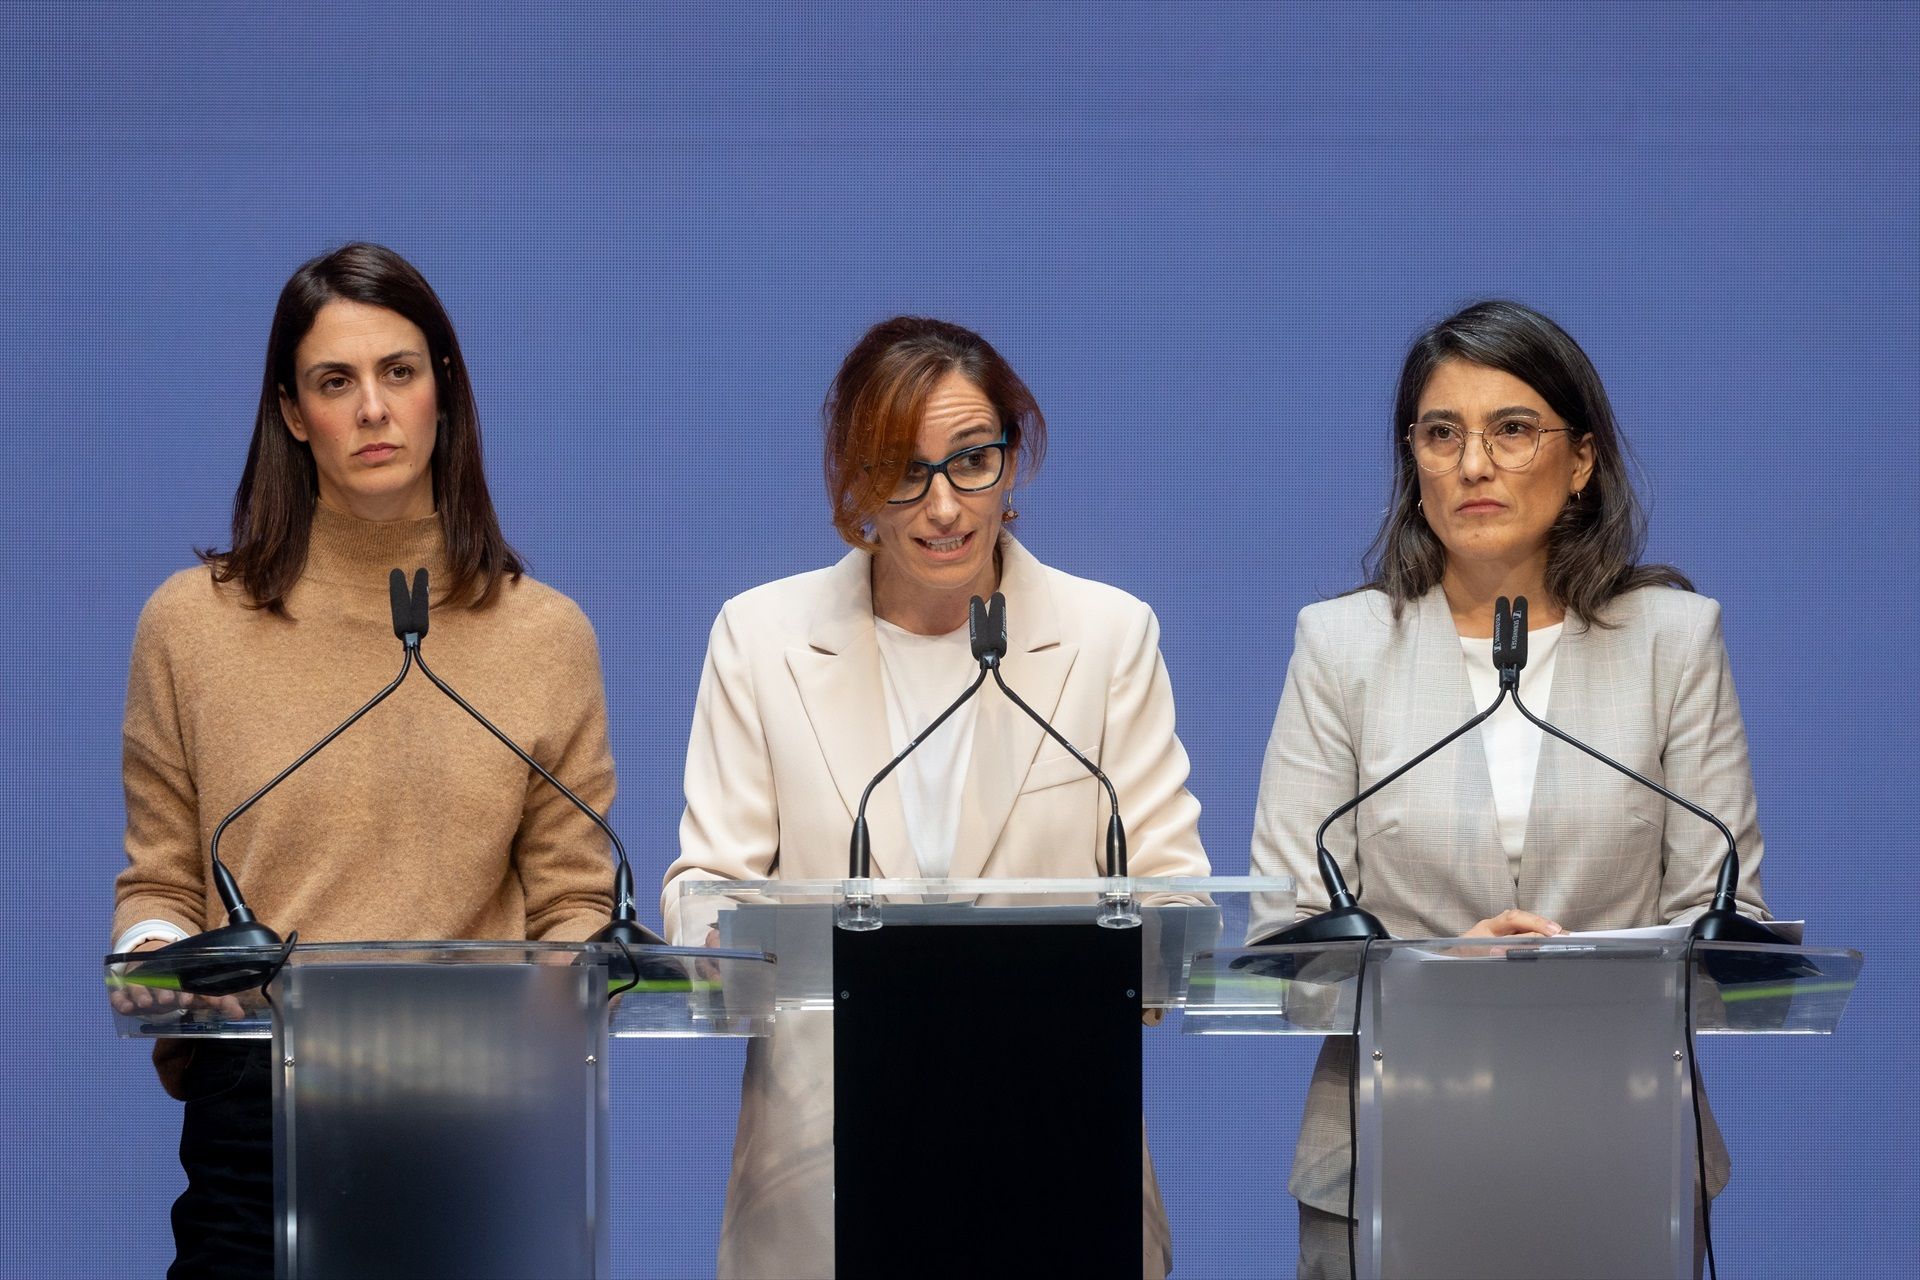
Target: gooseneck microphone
987,636
996,616
624,929
1722,921
1345,920
859,845
198,961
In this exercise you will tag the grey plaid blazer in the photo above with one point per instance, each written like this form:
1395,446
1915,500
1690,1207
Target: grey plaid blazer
1365,693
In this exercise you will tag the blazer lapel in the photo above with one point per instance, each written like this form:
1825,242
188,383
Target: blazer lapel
838,677
1005,739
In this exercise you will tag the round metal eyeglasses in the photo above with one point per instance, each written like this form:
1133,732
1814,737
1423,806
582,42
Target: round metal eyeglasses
969,470
1439,447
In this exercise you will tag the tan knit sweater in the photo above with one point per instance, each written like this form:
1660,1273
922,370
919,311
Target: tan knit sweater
413,824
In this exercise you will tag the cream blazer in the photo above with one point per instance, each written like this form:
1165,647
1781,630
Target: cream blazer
1365,693
790,724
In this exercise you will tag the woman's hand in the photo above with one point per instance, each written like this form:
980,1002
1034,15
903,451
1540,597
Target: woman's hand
137,999
1514,923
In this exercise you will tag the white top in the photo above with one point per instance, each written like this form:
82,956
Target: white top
161,930
1513,745
921,675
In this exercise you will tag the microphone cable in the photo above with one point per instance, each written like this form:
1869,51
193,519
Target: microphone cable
1699,1128
1353,1114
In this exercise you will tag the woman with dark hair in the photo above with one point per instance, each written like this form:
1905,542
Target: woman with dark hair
365,458
813,683
1510,479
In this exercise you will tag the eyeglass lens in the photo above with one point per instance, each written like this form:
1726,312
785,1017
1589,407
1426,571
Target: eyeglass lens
969,471
1439,446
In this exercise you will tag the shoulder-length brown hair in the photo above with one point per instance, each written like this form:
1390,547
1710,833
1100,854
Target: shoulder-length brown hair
1594,547
273,508
873,410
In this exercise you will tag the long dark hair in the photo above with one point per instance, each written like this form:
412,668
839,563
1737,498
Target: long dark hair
1594,547
872,411
273,508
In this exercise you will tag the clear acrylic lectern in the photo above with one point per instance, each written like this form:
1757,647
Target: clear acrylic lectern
979,1099
440,1108
1523,1108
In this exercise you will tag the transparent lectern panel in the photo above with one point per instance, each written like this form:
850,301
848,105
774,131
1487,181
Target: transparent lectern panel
437,1118
692,991
1268,991
680,991
795,919
1746,989
151,996
1738,989
1524,1110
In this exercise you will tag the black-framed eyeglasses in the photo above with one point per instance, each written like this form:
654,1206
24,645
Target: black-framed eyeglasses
976,467
1511,444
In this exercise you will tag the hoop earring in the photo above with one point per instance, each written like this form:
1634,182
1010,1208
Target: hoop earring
1576,495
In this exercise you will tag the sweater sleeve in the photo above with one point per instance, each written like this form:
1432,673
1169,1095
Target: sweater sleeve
165,878
562,856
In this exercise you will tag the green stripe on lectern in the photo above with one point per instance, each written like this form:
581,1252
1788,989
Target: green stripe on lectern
1776,991
164,981
659,985
171,982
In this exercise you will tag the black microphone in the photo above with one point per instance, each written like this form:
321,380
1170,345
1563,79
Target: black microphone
1510,642
987,629
981,636
417,617
401,604
624,930
1116,830
1722,921
198,961
1345,920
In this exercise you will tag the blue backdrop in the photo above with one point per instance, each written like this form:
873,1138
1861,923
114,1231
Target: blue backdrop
1204,236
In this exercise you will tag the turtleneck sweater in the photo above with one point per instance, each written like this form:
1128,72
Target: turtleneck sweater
413,824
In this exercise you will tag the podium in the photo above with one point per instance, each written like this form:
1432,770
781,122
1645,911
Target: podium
983,1056
1523,1107
440,1108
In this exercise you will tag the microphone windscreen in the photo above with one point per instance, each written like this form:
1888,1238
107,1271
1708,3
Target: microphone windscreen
1517,646
419,610
977,627
1501,620
402,604
997,624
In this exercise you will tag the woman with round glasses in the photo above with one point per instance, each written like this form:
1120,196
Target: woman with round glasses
1510,479
814,682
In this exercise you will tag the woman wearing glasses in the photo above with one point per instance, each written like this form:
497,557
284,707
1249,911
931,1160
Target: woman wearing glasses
814,682
1510,479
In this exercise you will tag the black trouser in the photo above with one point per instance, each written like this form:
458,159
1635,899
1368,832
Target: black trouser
223,1222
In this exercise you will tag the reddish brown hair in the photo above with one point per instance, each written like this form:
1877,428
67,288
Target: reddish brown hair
874,407
273,508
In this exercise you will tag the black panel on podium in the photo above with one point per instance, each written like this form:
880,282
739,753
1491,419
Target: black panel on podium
988,1072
